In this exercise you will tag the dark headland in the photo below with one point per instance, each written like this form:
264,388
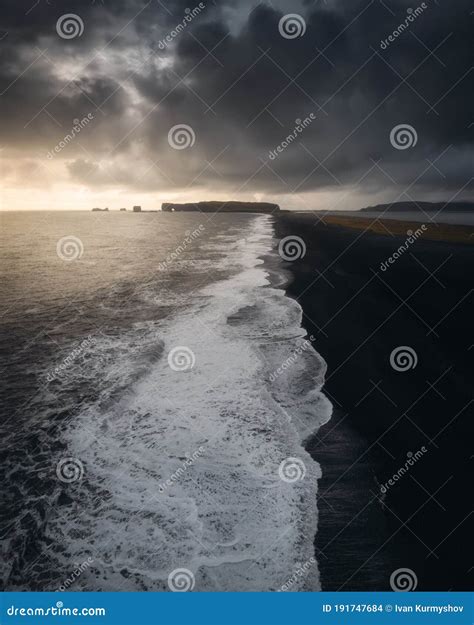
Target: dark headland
222,207
384,418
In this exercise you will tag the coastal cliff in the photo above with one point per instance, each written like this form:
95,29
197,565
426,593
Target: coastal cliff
222,207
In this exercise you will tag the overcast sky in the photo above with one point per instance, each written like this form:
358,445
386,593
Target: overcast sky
237,76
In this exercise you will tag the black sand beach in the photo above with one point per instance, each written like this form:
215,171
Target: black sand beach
384,418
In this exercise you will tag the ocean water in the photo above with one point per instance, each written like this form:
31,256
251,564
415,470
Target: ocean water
157,395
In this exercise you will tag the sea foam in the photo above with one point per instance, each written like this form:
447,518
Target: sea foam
184,470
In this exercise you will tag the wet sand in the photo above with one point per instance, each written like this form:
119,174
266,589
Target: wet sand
359,314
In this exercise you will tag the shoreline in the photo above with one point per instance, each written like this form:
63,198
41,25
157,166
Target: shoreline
279,279
358,315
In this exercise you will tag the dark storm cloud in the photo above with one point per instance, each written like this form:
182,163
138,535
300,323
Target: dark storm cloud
241,86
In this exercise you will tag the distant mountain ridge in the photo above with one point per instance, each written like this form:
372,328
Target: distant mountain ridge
428,207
